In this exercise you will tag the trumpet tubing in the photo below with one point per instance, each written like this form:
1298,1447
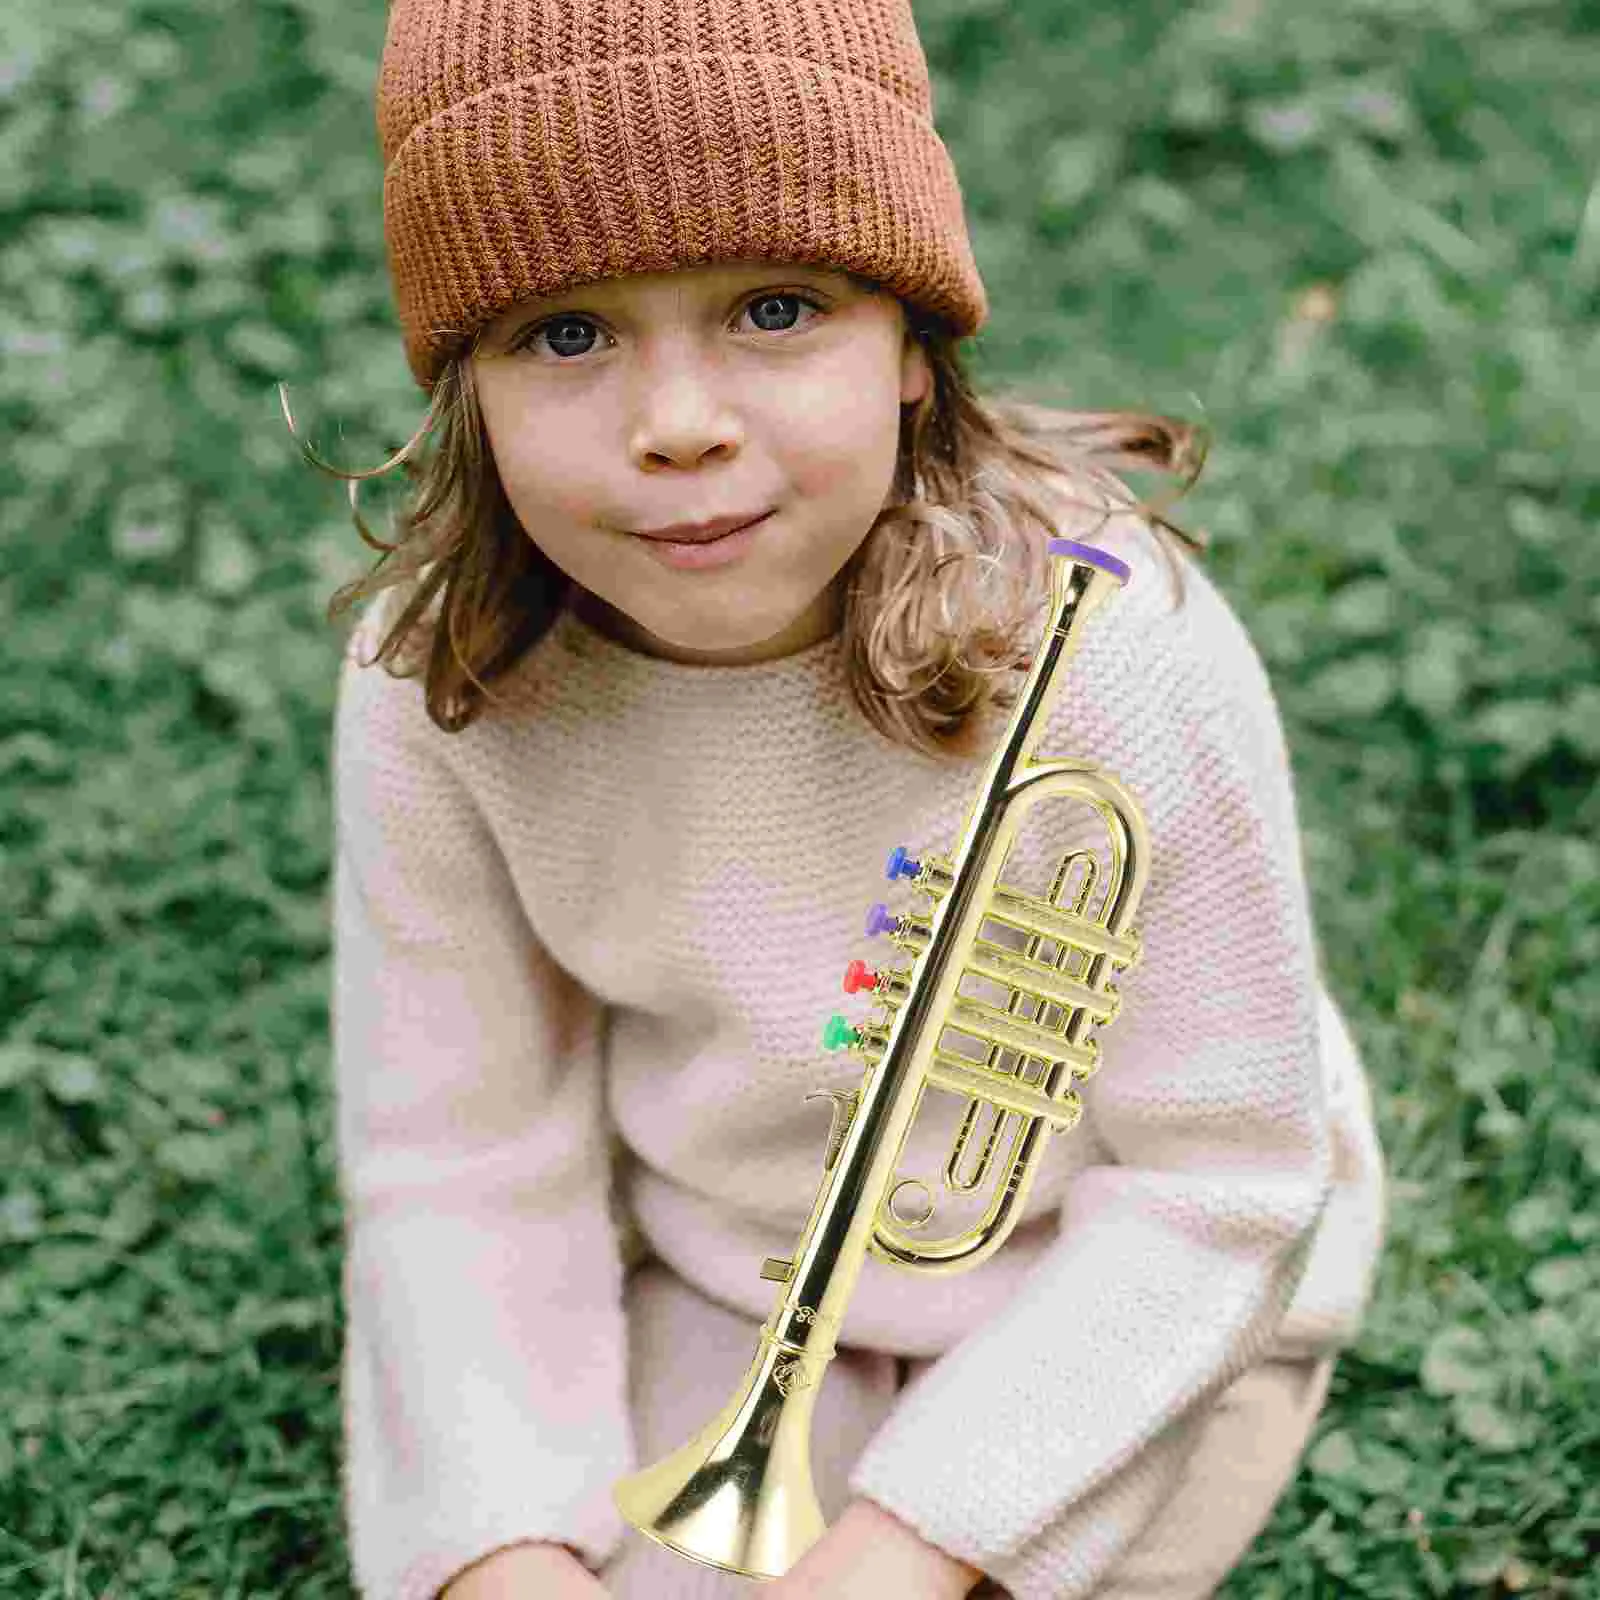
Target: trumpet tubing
738,1495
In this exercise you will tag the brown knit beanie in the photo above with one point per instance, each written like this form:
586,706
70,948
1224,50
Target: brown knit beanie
532,145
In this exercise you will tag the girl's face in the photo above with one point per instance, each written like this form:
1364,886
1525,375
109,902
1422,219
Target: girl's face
714,391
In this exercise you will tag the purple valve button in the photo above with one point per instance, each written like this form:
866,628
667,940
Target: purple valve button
1094,555
879,920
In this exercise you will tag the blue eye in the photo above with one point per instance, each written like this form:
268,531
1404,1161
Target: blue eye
763,302
570,335
562,328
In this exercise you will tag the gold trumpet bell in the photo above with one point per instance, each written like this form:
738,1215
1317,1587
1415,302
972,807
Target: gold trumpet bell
739,1494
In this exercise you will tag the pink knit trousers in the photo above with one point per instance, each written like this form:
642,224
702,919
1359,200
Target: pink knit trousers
688,1352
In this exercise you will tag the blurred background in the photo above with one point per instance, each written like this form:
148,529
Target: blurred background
1360,239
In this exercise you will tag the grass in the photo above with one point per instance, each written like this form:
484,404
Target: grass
1363,241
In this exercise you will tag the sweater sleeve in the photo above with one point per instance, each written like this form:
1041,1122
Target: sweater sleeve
1041,1445
484,1362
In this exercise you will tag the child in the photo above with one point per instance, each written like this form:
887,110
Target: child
611,802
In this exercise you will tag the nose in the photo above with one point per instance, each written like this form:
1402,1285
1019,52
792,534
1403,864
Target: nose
683,415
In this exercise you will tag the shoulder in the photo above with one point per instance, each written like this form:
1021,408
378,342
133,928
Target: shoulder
387,743
410,818
1172,610
1168,679
382,612
381,721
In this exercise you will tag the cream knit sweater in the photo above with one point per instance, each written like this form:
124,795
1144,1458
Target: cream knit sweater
584,952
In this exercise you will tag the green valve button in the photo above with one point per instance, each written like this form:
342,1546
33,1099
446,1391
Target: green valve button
838,1035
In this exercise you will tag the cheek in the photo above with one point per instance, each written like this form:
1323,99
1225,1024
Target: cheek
844,432
540,467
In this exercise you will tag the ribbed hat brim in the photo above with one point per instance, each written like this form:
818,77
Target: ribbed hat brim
655,163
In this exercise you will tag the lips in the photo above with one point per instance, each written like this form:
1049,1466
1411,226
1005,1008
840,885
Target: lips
701,532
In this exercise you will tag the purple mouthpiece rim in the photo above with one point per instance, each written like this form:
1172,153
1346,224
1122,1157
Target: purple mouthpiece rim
1096,557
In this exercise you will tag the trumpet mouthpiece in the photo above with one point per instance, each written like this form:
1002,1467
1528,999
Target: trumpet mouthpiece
1094,555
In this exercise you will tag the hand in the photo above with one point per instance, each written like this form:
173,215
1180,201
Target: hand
534,1571
867,1554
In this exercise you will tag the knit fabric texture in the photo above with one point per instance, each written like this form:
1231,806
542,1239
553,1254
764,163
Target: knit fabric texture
584,951
533,145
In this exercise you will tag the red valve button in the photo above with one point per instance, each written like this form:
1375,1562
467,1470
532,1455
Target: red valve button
858,976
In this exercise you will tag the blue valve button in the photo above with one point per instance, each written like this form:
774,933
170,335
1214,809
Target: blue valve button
901,865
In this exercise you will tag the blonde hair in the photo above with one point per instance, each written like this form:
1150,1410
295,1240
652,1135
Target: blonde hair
938,594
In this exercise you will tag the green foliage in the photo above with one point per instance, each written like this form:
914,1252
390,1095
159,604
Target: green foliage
1363,241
